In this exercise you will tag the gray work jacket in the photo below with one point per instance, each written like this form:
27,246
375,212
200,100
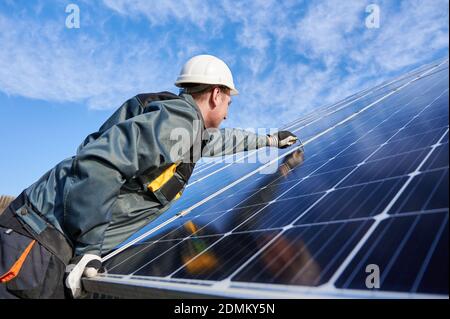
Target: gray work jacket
94,197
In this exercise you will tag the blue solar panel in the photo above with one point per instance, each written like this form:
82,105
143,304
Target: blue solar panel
370,189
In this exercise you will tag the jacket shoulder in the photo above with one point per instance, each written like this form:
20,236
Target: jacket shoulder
146,98
177,106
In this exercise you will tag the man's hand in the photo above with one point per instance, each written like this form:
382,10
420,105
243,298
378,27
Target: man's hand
291,161
85,265
281,139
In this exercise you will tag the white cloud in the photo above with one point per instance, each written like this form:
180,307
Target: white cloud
407,36
326,29
46,61
343,56
288,57
197,12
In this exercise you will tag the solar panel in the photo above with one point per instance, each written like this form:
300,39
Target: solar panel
369,192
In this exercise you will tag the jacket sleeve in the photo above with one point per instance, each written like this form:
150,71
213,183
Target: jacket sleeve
230,140
122,152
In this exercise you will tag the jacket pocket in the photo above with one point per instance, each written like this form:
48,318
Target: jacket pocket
27,269
16,260
31,218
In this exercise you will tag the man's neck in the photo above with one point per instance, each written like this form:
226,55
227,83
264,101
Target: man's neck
202,107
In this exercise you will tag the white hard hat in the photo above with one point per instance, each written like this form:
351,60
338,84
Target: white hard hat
206,69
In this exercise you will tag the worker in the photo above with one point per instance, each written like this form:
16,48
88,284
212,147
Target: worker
122,177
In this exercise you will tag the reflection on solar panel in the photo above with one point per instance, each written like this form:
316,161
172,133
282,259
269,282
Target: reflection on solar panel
369,197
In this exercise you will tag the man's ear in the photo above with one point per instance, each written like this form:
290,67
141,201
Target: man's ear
214,98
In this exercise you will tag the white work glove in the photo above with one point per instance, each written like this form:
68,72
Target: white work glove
81,266
281,139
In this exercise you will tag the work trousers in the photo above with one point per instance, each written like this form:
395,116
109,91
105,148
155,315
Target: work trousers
29,269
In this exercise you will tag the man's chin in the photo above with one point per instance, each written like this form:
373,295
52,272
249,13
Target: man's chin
214,126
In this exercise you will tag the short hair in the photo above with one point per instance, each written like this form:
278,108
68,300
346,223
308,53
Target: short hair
196,89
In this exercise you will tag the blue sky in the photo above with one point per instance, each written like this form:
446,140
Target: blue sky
288,57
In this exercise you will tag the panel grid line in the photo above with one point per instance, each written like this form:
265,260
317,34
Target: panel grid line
430,254
378,187
378,220
295,220
318,168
